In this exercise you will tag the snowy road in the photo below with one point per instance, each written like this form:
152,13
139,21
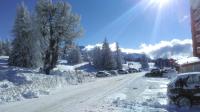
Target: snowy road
80,98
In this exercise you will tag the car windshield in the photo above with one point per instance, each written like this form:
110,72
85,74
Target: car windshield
99,55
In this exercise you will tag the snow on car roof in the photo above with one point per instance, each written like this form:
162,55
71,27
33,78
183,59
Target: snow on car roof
189,73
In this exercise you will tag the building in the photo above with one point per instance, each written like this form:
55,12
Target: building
190,67
195,21
191,64
165,63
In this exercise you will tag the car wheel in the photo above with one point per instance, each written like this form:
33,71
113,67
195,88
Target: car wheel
184,103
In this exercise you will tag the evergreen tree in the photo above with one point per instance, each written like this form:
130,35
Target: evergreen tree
56,23
1,48
5,47
108,62
23,54
75,56
97,58
144,62
118,57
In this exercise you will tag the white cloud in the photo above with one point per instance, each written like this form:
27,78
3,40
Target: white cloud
175,48
165,49
90,47
183,19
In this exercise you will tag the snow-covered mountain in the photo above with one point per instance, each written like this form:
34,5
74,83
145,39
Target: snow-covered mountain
175,49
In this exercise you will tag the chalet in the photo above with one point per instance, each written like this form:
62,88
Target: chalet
189,65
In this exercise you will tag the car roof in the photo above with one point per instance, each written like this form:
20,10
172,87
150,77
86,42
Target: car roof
101,71
189,73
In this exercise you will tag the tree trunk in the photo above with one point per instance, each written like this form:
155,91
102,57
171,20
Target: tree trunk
51,56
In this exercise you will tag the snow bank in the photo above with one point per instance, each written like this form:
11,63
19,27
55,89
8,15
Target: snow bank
22,83
152,99
63,67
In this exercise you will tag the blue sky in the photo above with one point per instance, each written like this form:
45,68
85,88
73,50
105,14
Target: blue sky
129,22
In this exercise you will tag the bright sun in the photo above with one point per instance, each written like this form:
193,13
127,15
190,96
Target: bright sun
159,3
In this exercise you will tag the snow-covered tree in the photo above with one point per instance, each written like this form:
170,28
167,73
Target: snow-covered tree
97,57
118,57
144,62
5,47
24,53
108,62
56,23
75,56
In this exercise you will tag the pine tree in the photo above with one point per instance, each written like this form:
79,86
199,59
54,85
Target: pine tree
108,62
118,57
97,58
75,56
1,48
144,62
23,54
56,23
6,47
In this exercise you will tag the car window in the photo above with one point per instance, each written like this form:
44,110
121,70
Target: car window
193,79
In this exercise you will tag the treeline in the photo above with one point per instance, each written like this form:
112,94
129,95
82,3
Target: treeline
71,53
5,47
104,59
39,36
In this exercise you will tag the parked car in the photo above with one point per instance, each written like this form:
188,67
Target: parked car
132,70
155,70
113,72
184,90
122,71
154,73
102,74
169,72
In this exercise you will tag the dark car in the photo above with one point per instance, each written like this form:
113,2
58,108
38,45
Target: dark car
155,70
102,74
122,71
154,73
132,70
184,90
113,72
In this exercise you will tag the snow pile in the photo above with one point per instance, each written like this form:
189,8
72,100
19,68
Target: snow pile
33,86
20,83
5,84
62,67
152,99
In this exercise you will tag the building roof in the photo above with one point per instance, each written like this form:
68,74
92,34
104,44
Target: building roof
188,61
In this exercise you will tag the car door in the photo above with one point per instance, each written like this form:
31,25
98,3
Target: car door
194,86
197,88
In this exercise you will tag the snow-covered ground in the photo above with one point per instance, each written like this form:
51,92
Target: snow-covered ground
141,95
26,90
17,84
126,93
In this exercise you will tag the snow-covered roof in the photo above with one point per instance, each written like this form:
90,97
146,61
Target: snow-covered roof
188,60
